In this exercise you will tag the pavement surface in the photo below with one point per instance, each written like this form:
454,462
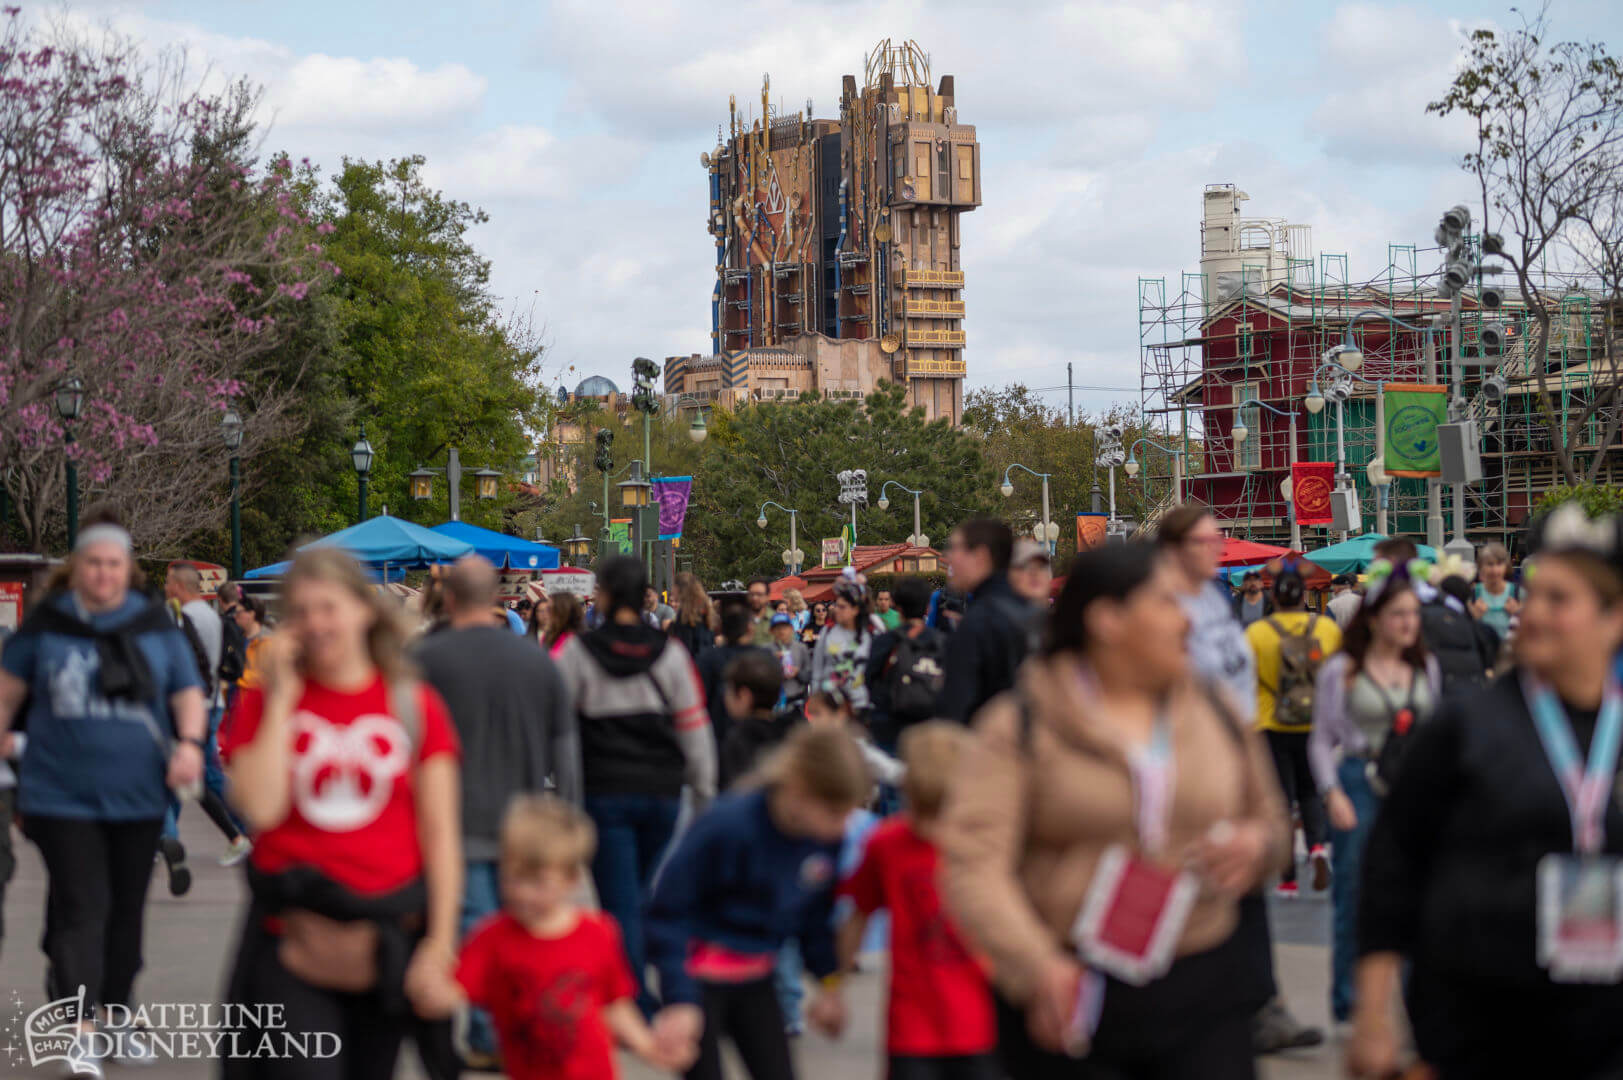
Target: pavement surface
189,940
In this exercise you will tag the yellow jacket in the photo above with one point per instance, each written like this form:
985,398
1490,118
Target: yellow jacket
1264,641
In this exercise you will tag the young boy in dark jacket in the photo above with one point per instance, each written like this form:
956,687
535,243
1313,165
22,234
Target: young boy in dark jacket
751,686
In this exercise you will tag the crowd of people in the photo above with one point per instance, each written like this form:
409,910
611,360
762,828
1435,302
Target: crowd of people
520,838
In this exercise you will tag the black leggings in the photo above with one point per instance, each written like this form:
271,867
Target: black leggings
97,875
370,1038
1296,782
972,1067
748,1013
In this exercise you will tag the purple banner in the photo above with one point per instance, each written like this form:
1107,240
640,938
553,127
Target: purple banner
671,493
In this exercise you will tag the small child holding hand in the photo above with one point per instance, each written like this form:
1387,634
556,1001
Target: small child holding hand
553,975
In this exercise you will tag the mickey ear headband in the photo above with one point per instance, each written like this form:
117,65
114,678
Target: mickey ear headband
1382,573
1568,528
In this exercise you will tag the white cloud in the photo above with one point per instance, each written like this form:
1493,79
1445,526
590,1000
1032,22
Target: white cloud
348,93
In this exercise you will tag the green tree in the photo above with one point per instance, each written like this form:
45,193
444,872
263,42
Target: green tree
410,344
1017,426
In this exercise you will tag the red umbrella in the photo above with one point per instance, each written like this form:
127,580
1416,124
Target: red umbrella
1238,552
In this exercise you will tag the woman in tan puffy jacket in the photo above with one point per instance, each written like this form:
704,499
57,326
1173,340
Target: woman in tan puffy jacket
1070,779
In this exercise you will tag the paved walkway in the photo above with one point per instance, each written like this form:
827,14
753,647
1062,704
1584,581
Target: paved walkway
188,941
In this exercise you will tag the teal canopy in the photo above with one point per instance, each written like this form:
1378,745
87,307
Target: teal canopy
1354,555
501,549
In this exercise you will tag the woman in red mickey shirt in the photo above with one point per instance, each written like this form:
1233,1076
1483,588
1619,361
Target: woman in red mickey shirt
346,767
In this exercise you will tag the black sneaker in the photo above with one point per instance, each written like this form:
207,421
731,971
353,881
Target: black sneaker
1274,1029
174,859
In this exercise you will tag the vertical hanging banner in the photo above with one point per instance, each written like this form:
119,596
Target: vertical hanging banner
1311,484
848,537
620,534
1413,412
1091,530
672,494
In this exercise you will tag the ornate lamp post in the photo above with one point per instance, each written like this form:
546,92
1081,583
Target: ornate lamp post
918,539
1132,466
1048,531
793,557
360,455
578,548
70,403
231,431
1241,433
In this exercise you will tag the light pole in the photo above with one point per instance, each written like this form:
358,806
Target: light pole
1132,466
231,432
1110,456
853,492
1340,391
793,557
918,539
577,548
635,495
360,455
70,402
1050,531
1241,433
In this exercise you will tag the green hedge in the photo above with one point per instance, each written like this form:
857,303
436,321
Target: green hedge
1596,499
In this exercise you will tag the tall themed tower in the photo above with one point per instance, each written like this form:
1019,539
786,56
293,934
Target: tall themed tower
837,243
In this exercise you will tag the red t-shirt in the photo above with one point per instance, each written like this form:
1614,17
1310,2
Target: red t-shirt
352,816
940,1004
547,995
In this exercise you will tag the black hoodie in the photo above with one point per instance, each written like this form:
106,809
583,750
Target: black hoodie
643,725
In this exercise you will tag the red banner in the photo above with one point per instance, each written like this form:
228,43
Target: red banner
1311,484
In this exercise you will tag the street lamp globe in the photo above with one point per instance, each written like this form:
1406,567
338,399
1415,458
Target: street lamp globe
1241,433
1351,359
760,522
1131,468
231,430
70,397
1287,487
1007,489
1376,471
1314,400
788,557
360,455
697,431
884,502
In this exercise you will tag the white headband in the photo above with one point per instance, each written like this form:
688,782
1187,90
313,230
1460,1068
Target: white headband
105,534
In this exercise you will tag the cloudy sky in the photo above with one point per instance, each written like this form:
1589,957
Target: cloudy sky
577,124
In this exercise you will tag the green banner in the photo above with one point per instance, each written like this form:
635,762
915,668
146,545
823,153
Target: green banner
849,535
1412,415
620,533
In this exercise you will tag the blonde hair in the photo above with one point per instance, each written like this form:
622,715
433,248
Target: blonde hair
694,602
542,831
795,599
826,762
386,639
930,752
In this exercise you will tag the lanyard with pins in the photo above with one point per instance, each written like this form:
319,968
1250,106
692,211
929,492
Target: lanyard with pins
1587,788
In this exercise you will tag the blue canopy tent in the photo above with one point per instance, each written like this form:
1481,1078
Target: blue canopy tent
1353,556
378,574
388,542
501,549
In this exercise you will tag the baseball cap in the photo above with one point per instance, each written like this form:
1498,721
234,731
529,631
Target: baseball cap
1026,551
780,619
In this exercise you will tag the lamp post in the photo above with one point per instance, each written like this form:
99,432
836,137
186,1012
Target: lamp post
794,557
1241,433
360,455
577,548
635,495
231,431
1050,531
70,402
1110,455
1132,466
1340,391
918,539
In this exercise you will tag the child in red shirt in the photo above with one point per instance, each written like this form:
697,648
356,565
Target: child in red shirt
940,1024
552,975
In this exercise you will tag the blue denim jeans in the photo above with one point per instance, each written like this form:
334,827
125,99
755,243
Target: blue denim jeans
787,979
481,897
633,832
213,779
1346,863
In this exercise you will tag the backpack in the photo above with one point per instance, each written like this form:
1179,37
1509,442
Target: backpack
200,654
233,652
1300,657
917,672
1399,734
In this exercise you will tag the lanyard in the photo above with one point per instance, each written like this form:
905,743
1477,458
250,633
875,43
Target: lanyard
1150,767
1587,788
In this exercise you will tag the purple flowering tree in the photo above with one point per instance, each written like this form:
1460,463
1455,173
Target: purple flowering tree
143,252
